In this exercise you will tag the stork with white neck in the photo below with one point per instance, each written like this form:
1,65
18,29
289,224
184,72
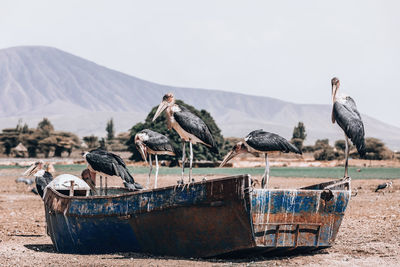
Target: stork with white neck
190,128
345,113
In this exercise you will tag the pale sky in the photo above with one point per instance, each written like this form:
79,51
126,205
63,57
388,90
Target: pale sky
284,49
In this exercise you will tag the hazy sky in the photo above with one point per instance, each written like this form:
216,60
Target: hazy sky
284,49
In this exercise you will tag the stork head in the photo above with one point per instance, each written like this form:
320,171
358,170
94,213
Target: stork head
34,168
90,178
237,149
335,86
139,139
168,101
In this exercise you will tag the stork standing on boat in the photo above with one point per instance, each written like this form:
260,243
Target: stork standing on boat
189,127
153,143
109,164
261,142
345,113
42,173
90,178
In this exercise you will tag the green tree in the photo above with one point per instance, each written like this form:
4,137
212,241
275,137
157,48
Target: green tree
110,129
323,151
376,149
299,131
91,141
45,126
340,145
200,152
321,143
299,135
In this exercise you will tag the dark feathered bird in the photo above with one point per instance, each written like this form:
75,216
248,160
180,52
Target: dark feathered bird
383,186
261,142
345,113
190,128
109,164
153,143
42,175
90,178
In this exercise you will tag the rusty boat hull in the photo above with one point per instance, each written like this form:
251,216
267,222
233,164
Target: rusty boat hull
210,218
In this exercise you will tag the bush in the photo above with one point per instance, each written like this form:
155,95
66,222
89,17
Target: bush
376,149
200,152
326,154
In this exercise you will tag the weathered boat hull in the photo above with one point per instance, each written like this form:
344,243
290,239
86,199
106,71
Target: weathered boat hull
206,219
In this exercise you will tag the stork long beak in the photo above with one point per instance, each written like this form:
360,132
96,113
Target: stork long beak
31,170
163,105
142,150
334,91
228,157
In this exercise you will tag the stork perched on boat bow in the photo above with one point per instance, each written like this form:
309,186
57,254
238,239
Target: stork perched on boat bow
190,128
261,142
153,143
109,164
345,113
42,173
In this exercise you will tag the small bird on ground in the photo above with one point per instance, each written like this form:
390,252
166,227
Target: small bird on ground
383,186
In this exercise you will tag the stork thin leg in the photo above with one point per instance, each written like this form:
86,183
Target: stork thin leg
151,169
191,162
266,173
183,160
105,185
157,167
101,185
347,157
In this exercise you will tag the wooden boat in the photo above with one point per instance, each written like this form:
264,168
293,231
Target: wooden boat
205,219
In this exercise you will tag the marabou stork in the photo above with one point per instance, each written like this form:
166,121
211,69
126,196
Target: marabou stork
153,143
261,142
90,178
42,174
189,127
345,113
383,186
108,164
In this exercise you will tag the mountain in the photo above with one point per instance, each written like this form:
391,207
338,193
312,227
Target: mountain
80,96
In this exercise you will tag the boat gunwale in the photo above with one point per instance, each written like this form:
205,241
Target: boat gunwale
248,176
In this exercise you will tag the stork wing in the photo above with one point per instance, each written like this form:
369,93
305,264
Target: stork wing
158,142
47,177
101,162
194,125
349,119
265,141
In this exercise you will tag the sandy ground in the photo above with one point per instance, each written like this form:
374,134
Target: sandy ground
369,235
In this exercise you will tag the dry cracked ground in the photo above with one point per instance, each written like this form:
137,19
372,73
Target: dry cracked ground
369,235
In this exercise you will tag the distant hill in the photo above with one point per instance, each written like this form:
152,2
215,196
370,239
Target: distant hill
80,96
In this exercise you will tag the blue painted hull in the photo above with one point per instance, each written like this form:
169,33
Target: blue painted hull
215,217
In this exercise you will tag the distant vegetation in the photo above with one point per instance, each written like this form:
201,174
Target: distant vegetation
299,135
45,141
200,152
23,141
